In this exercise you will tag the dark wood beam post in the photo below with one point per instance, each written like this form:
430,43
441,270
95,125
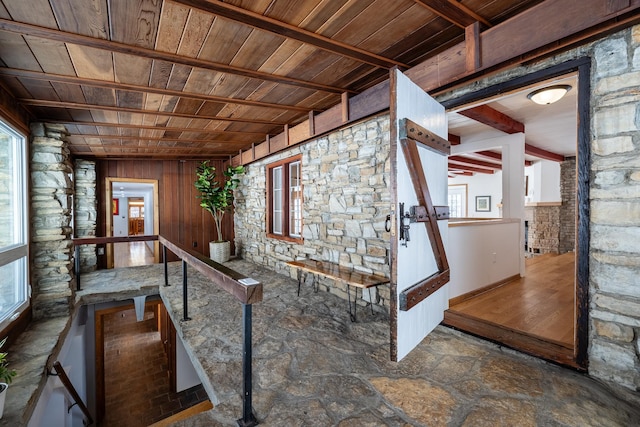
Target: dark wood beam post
472,43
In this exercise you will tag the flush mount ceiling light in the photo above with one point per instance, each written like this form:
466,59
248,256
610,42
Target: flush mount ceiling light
549,95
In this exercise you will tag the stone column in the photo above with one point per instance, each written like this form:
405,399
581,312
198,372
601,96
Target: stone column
51,204
567,241
85,205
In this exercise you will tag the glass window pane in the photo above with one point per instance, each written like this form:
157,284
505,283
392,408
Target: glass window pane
13,278
276,223
12,230
295,200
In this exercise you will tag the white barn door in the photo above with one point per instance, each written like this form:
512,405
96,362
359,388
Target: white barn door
419,268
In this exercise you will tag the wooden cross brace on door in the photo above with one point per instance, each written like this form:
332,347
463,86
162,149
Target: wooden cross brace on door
412,134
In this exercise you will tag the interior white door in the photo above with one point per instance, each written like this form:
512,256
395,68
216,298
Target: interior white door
416,262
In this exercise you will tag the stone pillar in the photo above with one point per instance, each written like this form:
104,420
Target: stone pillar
85,205
51,204
568,190
614,351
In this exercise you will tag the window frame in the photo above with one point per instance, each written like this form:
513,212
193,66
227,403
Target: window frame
285,208
16,252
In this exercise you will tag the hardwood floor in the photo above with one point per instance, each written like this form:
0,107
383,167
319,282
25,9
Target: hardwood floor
131,254
535,313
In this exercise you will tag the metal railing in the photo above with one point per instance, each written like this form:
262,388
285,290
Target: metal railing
246,290
60,373
243,288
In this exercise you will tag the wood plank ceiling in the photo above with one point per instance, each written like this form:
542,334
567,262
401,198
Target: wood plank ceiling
207,78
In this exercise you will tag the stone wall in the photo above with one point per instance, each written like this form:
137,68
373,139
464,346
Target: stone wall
51,205
85,214
615,210
346,199
567,237
543,229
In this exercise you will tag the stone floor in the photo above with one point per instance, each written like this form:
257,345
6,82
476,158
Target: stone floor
314,367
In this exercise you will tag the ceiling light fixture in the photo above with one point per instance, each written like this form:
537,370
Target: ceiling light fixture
549,95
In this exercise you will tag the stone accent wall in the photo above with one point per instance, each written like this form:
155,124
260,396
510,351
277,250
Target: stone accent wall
615,210
568,190
544,229
51,204
85,214
346,200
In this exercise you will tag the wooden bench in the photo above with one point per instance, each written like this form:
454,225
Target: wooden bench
342,274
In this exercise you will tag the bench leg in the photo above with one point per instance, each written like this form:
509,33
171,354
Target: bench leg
352,313
370,300
299,280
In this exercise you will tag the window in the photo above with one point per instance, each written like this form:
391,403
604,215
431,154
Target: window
458,200
284,195
14,285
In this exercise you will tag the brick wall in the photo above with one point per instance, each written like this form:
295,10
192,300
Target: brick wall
567,214
345,179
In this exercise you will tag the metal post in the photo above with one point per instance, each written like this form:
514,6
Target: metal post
77,265
184,291
248,419
166,268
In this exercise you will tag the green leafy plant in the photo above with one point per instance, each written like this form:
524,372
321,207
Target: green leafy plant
216,198
6,374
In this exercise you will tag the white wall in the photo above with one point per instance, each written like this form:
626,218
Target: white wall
121,221
482,185
544,182
186,375
481,253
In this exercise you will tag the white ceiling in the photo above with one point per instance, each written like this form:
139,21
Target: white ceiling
551,127
131,189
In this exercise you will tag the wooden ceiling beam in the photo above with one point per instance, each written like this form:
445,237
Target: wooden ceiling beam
82,106
453,139
494,118
150,127
144,89
147,138
450,11
536,32
256,20
475,162
542,154
82,40
498,156
455,167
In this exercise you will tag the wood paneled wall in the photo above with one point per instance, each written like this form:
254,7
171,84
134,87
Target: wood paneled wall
182,220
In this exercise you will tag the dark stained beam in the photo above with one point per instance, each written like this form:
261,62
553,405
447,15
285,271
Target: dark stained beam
472,39
256,20
455,167
542,154
451,12
459,173
494,118
144,89
147,138
82,106
82,40
534,33
149,127
475,162
453,139
498,156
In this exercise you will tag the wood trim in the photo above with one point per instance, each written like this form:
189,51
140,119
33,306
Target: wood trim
426,138
540,30
449,11
467,160
543,154
476,292
284,163
455,167
255,20
520,341
583,67
183,415
144,89
84,106
535,204
498,156
493,118
149,139
82,40
393,185
472,42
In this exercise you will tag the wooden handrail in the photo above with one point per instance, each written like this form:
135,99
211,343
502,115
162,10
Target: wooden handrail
112,239
72,391
228,279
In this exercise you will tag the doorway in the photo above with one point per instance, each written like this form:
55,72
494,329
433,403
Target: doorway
132,209
543,312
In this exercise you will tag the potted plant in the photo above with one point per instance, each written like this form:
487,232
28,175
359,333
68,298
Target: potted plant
216,198
6,375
